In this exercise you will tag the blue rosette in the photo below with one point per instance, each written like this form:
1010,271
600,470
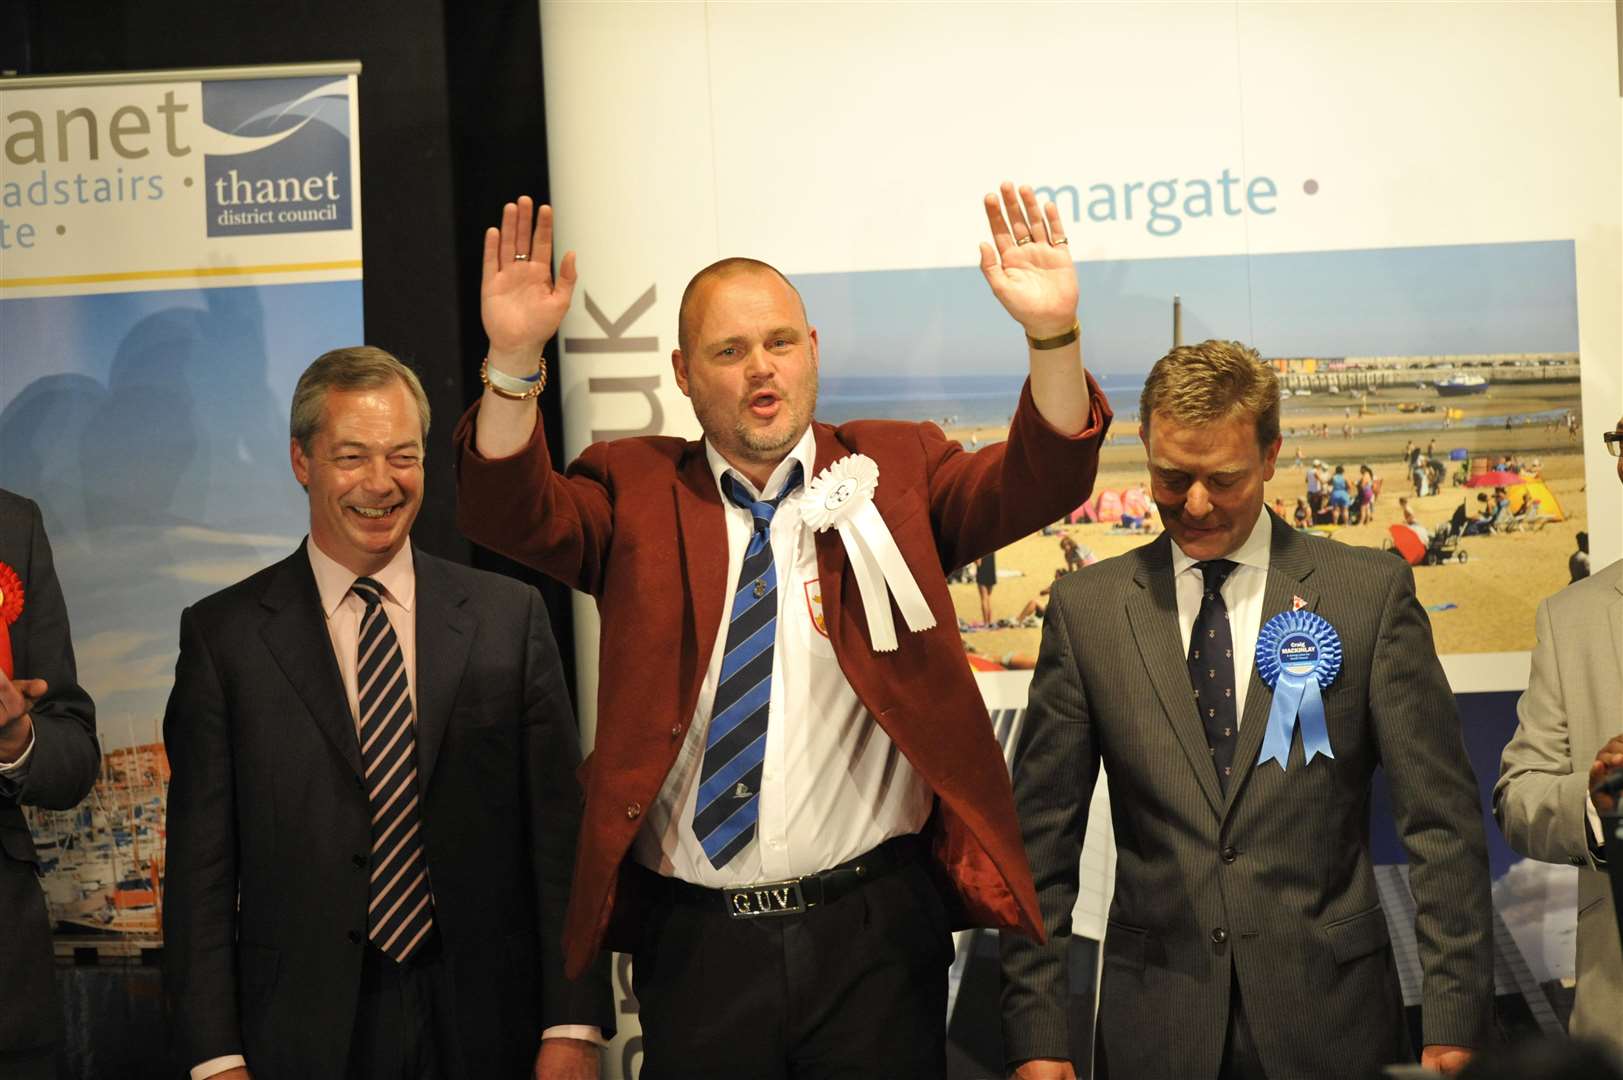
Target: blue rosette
1298,655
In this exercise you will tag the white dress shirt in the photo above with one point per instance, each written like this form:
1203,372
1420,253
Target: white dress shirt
1242,595
17,771
834,786
344,611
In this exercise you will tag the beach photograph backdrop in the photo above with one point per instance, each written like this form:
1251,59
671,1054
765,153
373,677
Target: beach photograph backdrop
1456,171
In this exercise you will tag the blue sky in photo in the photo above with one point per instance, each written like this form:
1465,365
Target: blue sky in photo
1470,298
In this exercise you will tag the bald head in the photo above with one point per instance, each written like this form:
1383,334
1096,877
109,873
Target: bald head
691,312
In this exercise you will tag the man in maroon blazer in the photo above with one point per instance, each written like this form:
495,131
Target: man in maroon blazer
795,794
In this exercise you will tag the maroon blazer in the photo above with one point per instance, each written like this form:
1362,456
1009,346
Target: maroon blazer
638,524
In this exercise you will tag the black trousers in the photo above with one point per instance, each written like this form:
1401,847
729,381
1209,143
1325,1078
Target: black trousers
856,988
400,1021
30,1065
1240,1060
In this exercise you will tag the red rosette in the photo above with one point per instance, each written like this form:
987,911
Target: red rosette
11,608
11,595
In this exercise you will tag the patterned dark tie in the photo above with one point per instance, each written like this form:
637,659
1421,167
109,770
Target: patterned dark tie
728,804
1211,667
400,908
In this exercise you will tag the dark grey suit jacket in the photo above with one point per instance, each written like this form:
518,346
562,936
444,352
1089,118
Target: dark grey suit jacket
60,772
1270,885
266,894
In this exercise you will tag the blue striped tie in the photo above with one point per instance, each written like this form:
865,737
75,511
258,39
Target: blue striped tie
728,805
400,908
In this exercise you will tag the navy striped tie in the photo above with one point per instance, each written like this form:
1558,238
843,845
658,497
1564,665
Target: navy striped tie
1211,667
400,909
728,804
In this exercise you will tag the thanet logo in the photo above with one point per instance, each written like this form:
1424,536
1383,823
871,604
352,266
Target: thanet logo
278,159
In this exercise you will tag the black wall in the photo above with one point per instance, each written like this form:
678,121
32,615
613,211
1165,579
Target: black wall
451,126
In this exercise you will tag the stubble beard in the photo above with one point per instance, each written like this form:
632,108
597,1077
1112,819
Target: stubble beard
766,447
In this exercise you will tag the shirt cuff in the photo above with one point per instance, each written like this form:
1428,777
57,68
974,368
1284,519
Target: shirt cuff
18,770
215,1066
584,1032
1597,834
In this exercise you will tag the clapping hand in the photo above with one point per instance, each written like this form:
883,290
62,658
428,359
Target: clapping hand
16,727
1609,758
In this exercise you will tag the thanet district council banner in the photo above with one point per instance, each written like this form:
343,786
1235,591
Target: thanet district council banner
175,248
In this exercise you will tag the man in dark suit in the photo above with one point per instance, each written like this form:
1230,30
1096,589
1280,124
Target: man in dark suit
373,809
1246,936
787,762
48,757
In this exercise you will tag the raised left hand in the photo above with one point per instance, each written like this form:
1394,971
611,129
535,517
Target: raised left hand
567,1059
1445,1059
1028,263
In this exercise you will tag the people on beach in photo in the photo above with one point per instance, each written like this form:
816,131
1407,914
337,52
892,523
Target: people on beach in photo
1340,496
985,582
1578,561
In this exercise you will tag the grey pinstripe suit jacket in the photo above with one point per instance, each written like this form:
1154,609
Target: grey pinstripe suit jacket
1272,884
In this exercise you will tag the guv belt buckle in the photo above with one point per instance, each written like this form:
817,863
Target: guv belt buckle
766,899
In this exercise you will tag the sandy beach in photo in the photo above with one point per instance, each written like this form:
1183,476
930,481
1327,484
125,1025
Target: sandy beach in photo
1493,594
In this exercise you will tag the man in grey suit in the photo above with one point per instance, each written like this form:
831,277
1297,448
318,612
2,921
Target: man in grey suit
1246,936
1569,736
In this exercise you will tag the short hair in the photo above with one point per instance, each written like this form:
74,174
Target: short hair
1215,380
356,367
729,267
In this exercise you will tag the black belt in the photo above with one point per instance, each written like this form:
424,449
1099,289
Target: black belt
795,896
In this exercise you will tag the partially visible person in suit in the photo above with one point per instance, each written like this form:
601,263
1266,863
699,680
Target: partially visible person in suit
1569,735
373,805
48,758
786,813
1246,936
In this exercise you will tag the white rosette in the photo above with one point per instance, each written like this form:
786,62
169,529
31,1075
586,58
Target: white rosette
841,498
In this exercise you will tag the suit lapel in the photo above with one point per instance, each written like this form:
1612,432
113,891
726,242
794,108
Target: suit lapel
702,533
1152,612
1289,565
445,632
297,638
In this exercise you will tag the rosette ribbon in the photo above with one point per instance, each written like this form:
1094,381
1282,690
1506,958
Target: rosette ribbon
841,498
1298,655
11,609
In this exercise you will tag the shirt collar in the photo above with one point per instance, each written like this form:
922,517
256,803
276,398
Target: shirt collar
333,579
804,452
1253,552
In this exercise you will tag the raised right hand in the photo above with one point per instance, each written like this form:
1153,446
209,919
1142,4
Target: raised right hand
520,302
1044,1069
